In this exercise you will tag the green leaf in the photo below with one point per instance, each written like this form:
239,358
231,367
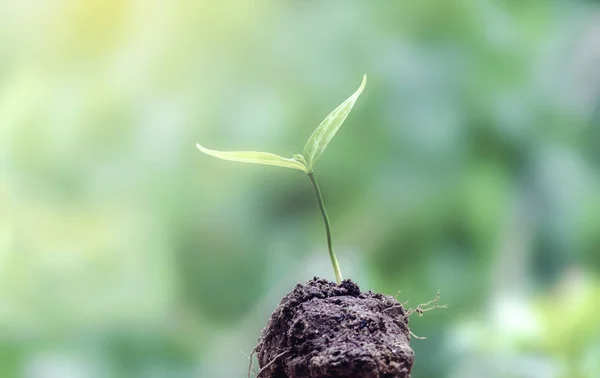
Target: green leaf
254,157
323,134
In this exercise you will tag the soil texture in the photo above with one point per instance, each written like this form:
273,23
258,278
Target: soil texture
327,330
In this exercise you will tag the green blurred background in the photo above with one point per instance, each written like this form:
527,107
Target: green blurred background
470,164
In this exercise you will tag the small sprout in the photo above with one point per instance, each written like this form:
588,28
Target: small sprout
313,150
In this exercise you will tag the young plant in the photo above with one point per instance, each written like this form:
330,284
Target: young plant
305,162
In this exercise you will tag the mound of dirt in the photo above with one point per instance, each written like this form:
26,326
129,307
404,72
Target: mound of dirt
326,330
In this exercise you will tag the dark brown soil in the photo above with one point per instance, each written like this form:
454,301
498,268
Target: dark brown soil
326,330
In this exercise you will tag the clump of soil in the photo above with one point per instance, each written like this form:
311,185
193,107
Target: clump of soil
326,330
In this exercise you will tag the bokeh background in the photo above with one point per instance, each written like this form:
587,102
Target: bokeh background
470,164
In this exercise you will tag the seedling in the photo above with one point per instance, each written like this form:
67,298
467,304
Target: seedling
305,162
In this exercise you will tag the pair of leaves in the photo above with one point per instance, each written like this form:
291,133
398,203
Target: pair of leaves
313,149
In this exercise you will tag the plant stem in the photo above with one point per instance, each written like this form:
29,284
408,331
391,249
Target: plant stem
334,262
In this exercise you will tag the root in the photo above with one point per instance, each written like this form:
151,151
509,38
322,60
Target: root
250,370
420,309
415,336
423,307
271,362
